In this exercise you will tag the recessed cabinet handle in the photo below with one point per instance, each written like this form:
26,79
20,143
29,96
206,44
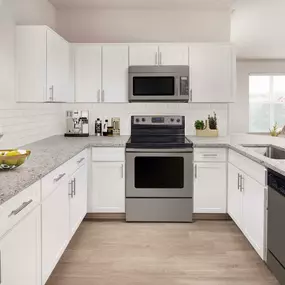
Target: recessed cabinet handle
59,177
80,160
21,208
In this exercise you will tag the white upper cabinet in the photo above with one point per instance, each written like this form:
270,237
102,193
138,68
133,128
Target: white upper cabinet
57,68
173,55
87,73
42,65
20,252
143,54
115,73
209,192
212,73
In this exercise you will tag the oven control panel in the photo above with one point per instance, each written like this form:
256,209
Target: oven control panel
158,120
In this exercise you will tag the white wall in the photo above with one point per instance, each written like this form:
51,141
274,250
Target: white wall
239,111
144,25
257,28
23,123
124,111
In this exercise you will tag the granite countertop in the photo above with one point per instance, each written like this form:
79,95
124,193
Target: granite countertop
47,155
50,153
236,141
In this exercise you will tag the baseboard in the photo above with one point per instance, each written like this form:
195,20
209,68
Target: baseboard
214,217
122,217
106,216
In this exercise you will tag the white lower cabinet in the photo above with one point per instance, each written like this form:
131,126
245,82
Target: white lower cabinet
247,207
108,189
210,188
20,252
55,228
78,198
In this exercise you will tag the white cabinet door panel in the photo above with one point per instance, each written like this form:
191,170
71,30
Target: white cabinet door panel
173,55
58,68
55,228
143,54
254,213
108,189
234,195
87,73
211,73
115,73
20,252
78,200
210,189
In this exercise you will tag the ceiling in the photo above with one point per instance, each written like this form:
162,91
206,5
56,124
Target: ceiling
143,4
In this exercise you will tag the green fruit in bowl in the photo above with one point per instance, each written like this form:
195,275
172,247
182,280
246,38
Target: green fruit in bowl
13,158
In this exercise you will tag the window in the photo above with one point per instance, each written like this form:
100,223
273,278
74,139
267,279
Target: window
266,102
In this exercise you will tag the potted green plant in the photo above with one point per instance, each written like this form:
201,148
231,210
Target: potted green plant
209,128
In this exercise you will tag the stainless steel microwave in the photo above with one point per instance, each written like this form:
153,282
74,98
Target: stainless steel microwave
158,83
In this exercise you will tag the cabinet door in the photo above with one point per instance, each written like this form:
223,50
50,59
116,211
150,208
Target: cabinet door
30,63
20,252
87,73
212,73
78,199
55,228
173,55
254,213
234,195
115,73
144,55
210,189
58,68
108,189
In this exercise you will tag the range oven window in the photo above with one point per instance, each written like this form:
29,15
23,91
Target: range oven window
154,85
159,172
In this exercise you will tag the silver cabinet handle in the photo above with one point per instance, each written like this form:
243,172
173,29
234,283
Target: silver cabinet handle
122,171
51,93
103,96
71,188
80,160
59,177
21,208
156,62
196,171
210,155
238,182
241,183
190,95
74,186
98,95
160,58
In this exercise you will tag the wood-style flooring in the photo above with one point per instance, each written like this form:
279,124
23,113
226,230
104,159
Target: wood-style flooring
202,253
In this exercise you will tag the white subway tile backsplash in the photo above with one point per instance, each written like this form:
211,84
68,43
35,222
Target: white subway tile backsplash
192,112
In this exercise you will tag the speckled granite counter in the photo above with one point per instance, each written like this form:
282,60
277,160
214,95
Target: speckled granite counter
47,155
234,142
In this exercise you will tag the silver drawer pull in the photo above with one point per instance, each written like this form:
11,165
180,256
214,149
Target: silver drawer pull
21,208
80,160
210,155
59,177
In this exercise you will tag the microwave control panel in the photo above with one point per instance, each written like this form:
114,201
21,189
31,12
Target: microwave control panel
184,85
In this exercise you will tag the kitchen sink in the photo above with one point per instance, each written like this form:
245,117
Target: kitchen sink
270,151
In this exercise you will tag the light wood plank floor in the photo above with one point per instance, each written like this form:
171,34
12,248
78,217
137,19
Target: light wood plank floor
202,253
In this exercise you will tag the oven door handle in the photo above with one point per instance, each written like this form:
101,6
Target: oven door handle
162,150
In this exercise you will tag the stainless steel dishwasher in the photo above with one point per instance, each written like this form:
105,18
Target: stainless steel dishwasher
276,225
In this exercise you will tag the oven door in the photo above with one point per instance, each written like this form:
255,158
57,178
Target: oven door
155,87
159,174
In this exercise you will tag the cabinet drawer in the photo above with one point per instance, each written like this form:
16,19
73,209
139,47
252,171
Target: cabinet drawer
108,154
19,206
251,168
77,161
51,181
210,154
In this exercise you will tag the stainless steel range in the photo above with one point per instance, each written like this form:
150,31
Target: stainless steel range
159,170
